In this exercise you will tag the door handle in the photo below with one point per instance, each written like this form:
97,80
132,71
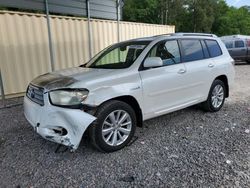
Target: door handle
181,71
211,65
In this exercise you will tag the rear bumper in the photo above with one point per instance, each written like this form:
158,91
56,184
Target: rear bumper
61,125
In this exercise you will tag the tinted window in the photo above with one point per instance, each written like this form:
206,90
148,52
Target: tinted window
192,50
168,51
229,44
205,50
213,48
239,44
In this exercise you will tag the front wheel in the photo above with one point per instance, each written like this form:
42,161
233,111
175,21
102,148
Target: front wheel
216,97
114,127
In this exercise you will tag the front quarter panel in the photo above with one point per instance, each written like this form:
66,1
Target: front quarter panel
126,84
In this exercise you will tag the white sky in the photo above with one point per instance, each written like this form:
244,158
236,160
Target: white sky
238,3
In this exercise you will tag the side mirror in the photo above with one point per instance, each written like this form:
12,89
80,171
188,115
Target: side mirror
151,62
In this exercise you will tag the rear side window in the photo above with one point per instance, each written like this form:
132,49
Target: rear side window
205,50
239,44
213,48
192,50
229,44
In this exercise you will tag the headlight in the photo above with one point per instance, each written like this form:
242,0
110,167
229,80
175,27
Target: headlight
71,97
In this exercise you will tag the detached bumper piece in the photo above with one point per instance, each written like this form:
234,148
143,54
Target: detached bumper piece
61,125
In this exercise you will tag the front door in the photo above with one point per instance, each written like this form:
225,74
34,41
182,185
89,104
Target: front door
164,87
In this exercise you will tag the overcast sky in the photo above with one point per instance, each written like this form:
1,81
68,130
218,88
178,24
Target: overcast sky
238,3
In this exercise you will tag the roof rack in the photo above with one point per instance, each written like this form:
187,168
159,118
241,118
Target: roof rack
194,34
168,34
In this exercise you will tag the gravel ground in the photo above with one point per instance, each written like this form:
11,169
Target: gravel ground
188,148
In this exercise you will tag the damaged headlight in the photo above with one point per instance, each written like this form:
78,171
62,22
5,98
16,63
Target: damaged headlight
68,98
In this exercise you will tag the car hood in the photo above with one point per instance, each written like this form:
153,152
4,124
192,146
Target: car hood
67,77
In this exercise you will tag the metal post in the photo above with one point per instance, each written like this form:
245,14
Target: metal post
52,62
2,89
118,19
89,29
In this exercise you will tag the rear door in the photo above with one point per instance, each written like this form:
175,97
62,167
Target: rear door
218,64
198,65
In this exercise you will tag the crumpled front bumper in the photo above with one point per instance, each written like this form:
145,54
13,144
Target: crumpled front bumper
61,125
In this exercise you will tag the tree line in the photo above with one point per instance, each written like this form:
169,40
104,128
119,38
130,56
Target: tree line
209,16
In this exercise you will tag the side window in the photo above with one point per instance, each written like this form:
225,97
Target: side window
213,48
168,51
239,44
229,44
205,50
192,50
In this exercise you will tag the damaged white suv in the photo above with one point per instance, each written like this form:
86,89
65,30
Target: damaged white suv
128,83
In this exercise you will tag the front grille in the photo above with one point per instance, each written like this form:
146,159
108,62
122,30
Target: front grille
35,94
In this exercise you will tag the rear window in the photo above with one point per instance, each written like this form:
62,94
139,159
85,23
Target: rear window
213,48
192,50
239,44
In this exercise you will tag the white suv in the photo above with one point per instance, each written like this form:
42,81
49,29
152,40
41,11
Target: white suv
128,83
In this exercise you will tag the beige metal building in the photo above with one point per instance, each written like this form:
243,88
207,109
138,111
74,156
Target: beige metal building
24,43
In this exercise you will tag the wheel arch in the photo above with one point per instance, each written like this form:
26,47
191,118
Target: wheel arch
224,79
130,100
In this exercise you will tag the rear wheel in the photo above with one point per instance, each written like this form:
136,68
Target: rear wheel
216,97
114,127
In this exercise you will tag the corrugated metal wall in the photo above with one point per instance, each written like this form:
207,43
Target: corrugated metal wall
24,45
98,8
24,50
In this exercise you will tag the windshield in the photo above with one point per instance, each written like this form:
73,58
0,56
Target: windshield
118,56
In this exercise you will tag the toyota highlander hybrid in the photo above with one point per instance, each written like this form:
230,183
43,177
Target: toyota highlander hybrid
128,83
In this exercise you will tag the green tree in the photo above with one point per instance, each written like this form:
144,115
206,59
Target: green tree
211,16
235,21
220,10
141,11
173,12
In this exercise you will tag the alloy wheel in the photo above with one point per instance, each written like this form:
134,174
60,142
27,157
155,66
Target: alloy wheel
217,96
116,127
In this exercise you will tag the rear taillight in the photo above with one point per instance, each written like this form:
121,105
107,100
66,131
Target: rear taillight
248,43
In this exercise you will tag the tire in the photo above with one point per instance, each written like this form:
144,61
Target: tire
210,105
105,129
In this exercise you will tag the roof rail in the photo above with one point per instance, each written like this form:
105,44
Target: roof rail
165,34
194,34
